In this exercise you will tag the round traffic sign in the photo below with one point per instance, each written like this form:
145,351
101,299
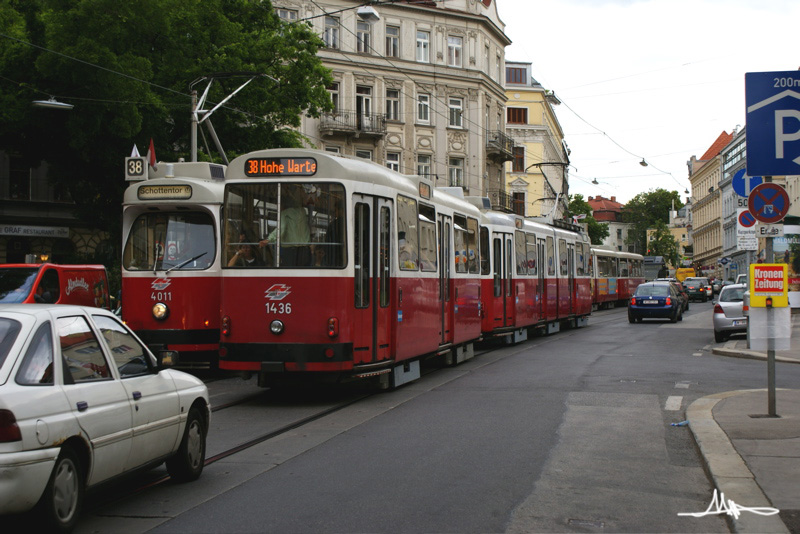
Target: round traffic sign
768,202
743,184
746,219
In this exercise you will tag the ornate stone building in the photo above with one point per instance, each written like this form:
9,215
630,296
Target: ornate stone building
418,86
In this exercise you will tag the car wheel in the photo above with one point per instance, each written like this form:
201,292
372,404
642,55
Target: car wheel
187,464
631,319
687,305
719,337
61,502
674,318
680,314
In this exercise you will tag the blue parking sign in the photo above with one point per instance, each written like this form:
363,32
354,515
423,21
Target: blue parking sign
773,123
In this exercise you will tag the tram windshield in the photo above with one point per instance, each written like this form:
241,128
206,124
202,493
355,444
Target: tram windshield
170,242
276,225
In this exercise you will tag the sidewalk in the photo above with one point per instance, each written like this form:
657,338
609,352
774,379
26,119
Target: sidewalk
754,459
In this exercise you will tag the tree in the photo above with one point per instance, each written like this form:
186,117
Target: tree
663,244
645,209
597,231
127,68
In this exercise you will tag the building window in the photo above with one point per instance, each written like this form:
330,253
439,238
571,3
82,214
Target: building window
454,46
365,154
518,203
333,149
333,90
393,104
393,161
331,34
515,75
363,34
517,115
456,106
424,108
423,46
392,41
499,68
518,163
288,15
423,165
455,172
19,179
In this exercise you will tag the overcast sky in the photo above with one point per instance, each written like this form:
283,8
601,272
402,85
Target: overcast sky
652,79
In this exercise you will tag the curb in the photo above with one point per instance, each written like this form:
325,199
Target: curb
749,355
729,472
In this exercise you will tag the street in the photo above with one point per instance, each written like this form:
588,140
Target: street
570,432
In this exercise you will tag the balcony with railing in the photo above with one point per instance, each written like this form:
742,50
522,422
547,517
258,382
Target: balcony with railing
501,201
352,122
499,146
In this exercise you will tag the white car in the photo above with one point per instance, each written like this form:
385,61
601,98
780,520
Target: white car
82,401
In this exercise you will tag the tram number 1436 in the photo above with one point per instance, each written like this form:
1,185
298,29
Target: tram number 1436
282,308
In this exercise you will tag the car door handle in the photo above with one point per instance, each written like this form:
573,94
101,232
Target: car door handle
83,406
137,395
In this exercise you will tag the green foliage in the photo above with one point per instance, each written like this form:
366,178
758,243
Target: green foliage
128,67
663,244
597,231
645,210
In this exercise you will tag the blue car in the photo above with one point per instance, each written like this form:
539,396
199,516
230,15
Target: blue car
655,300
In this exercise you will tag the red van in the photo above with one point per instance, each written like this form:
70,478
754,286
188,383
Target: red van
85,285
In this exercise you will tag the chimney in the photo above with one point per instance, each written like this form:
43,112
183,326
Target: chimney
613,199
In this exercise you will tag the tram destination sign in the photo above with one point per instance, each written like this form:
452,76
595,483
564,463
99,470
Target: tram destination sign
165,192
263,167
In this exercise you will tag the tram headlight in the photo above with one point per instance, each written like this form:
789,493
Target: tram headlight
276,327
160,311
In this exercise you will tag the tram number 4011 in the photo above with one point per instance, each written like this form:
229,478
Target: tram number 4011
161,295
281,308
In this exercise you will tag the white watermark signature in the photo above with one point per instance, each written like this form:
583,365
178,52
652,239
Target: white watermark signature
720,506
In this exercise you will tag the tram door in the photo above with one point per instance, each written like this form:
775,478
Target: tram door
503,265
542,266
371,296
573,292
444,230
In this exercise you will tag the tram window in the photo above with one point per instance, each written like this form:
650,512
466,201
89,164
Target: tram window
178,241
521,253
460,234
580,264
288,224
485,251
498,263
531,250
385,255
473,252
563,258
623,267
407,233
551,253
427,238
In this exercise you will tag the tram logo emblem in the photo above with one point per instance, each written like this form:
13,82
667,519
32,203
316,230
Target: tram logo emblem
160,284
277,292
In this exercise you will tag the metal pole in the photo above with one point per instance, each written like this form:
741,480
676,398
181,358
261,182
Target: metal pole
193,140
771,409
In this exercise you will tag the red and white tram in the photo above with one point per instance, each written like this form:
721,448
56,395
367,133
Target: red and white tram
616,276
535,275
171,260
340,267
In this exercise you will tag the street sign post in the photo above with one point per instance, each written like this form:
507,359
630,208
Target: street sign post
773,123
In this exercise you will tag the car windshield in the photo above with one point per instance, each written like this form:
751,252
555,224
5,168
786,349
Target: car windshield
16,283
732,295
9,329
652,291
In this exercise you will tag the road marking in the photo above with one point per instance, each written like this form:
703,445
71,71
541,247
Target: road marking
697,354
681,385
673,403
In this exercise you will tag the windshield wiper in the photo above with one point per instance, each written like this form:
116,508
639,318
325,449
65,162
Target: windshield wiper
190,260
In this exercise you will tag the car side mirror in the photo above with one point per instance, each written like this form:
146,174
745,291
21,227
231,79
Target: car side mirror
167,358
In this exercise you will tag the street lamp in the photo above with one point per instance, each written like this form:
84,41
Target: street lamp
52,103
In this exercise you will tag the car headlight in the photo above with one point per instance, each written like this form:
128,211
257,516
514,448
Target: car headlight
160,311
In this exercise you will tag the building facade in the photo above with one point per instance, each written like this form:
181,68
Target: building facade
536,178
417,87
609,211
705,176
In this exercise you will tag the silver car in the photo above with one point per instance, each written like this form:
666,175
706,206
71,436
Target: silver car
728,316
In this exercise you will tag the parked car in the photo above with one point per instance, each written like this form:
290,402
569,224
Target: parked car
50,283
655,300
716,286
729,315
82,401
698,288
742,278
679,288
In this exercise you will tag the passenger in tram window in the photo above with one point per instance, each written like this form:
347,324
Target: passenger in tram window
333,252
246,255
295,234
407,254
